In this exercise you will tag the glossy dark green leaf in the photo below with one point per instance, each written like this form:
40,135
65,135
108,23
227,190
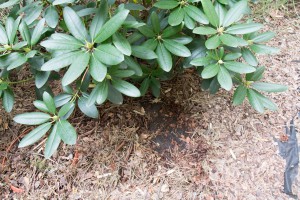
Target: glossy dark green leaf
108,54
122,44
229,40
196,14
263,37
133,65
111,26
235,13
99,19
49,101
97,70
61,61
176,48
164,57
202,61
144,86
210,71
189,22
75,24
33,118
213,42
171,31
221,12
239,67
166,4
52,142
176,16
204,30
126,88
143,52
254,101
155,22
244,28
210,12
19,60
88,110
257,75
34,135
114,95
147,31
263,49
269,87
239,95
51,16
224,79
66,132
76,69
37,32
8,100
249,57
267,103
232,56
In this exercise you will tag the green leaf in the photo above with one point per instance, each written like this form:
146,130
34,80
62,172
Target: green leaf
239,95
51,16
122,44
145,86
229,40
263,37
189,22
59,2
97,70
33,118
166,4
88,110
19,60
244,28
155,22
114,95
52,142
210,71
126,88
155,87
171,31
202,61
49,101
196,14
103,92
66,132
176,17
151,44
108,54
62,44
9,3
3,36
24,31
76,68
235,13
40,105
257,75
35,135
111,26
143,52
254,100
8,100
232,56
269,87
204,30
37,32
249,57
176,48
133,65
11,26
221,12
164,58
75,24
61,61
213,42
146,31
99,19
210,12
224,79
263,49
62,99
239,67
267,103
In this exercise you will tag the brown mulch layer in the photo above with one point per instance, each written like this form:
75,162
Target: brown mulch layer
187,145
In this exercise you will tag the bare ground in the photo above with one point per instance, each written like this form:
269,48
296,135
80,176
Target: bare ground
189,145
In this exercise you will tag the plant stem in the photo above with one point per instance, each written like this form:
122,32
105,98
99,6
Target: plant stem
21,81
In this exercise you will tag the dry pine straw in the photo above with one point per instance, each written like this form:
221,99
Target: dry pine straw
116,157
